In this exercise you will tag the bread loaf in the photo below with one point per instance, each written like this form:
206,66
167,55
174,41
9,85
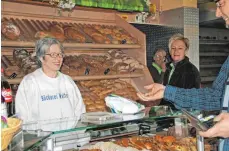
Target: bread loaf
98,38
58,32
56,29
12,69
10,31
72,33
19,55
43,34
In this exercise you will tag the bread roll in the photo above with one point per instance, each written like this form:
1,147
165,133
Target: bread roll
72,33
56,29
12,69
98,38
10,31
73,71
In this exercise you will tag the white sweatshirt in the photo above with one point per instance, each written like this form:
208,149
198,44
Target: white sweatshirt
44,100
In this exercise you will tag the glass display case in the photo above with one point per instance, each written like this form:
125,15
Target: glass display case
108,128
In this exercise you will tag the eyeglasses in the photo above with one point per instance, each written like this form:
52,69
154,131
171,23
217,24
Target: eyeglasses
54,55
161,57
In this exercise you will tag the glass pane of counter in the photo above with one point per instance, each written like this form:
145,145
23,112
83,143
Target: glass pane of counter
40,131
37,133
33,139
95,119
82,135
73,124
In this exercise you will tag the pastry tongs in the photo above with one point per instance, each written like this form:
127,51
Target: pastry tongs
200,126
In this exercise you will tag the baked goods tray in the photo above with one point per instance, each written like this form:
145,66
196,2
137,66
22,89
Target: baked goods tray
100,117
106,117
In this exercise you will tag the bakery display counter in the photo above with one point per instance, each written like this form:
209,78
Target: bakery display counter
142,133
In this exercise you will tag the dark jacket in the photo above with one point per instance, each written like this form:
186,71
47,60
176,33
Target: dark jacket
157,77
185,75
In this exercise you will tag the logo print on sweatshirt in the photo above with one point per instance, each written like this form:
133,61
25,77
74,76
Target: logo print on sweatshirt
54,97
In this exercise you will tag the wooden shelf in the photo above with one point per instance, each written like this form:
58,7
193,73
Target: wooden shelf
210,66
214,42
215,54
207,79
93,77
70,45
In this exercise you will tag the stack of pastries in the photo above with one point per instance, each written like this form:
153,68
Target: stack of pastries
161,143
155,143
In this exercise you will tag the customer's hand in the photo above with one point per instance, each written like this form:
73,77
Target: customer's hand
156,91
220,129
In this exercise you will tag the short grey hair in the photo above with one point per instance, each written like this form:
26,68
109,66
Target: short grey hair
42,46
159,50
178,37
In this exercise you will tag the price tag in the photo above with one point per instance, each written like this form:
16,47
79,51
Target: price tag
125,17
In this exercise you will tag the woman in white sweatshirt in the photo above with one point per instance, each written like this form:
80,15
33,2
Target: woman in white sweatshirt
47,94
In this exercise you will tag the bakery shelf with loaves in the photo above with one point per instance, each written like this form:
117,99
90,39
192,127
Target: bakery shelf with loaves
19,31
85,33
80,66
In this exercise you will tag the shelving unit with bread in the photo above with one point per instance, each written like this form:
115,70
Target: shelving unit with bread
105,44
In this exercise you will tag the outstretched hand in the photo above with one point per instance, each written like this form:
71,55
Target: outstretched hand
220,129
156,91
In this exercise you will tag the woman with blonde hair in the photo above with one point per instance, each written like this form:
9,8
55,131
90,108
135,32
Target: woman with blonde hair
180,71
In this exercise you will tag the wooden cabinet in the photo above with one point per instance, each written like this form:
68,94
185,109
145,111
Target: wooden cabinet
36,18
